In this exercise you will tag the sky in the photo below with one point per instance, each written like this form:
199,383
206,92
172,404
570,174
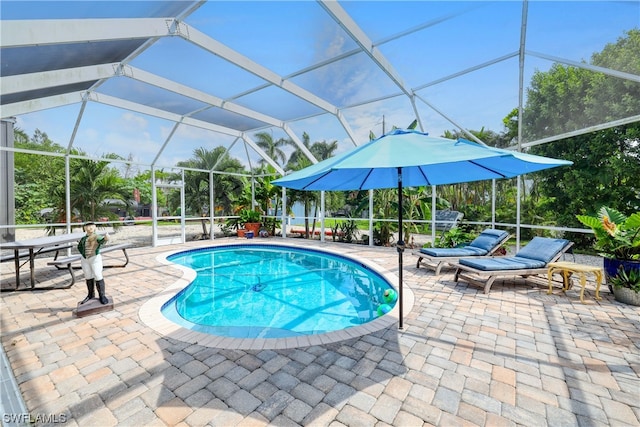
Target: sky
286,37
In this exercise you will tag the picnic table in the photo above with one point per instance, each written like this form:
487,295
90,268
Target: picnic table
67,262
33,247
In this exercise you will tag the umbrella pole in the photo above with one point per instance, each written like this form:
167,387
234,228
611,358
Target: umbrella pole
400,246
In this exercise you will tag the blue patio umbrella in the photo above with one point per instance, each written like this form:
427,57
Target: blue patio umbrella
411,158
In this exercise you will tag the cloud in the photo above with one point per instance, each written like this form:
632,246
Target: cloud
347,80
133,122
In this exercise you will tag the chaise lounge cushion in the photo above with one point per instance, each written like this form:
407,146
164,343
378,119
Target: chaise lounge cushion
502,263
454,252
542,249
488,239
536,254
481,245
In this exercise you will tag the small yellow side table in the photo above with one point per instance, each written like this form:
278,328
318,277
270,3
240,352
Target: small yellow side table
568,268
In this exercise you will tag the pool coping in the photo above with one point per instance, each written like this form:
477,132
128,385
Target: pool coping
150,312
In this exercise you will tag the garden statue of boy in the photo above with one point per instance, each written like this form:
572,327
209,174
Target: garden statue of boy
91,261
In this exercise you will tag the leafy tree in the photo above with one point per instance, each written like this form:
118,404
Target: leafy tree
567,98
605,172
35,175
555,101
385,206
40,182
611,98
142,183
510,133
416,204
267,195
606,162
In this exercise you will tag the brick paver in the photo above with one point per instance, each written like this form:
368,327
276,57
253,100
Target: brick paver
513,357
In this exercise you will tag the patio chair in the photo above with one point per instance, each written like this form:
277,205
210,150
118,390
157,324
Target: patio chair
532,259
486,244
447,219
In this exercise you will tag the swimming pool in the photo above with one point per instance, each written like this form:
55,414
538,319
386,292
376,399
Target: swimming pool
275,291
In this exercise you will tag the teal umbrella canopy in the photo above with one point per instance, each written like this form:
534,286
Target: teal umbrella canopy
411,158
422,159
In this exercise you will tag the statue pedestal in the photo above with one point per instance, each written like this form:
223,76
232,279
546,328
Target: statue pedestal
94,306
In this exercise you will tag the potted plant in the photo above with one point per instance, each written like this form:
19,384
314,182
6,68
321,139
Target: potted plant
617,240
626,286
251,220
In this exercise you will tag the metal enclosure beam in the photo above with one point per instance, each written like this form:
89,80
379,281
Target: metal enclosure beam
360,37
202,40
7,182
58,31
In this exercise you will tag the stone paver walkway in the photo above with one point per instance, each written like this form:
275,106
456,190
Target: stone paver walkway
513,357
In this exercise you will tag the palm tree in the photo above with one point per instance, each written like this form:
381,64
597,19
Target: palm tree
321,151
305,197
272,148
196,184
297,154
92,183
324,150
298,160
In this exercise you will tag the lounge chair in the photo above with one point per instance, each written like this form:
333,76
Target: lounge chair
485,244
531,260
447,219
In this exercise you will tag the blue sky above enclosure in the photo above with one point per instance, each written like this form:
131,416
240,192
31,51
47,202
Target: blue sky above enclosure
435,49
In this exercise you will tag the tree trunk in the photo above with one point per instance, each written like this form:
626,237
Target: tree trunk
306,219
205,234
315,214
273,226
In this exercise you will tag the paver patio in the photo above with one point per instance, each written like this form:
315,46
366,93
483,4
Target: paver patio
513,357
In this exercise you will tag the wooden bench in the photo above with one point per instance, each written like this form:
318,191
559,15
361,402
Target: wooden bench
67,262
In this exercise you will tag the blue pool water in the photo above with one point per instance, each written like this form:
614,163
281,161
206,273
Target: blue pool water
269,291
